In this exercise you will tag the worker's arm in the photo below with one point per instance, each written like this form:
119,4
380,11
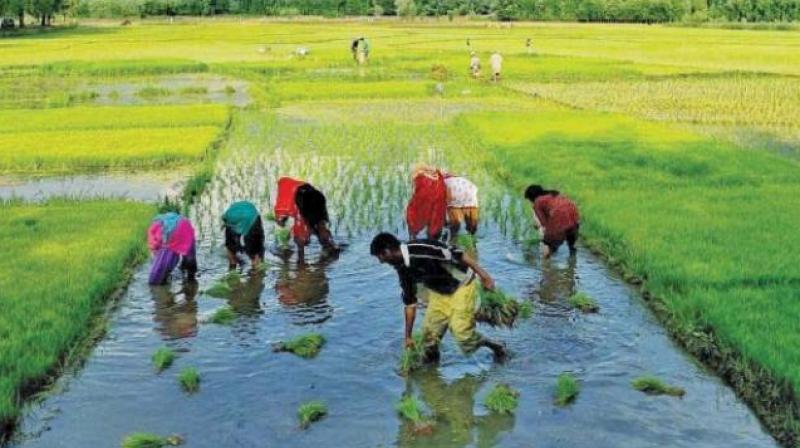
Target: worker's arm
486,279
410,312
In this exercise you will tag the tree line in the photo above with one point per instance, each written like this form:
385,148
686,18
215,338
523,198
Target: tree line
639,11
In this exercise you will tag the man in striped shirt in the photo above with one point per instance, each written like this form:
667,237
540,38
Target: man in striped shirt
450,277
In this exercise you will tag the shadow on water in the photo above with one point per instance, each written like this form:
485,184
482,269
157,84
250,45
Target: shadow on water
175,314
302,289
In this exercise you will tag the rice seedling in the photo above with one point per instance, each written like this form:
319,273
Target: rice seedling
163,358
189,379
153,91
282,237
413,357
502,399
147,440
654,386
305,346
311,412
499,309
193,90
567,389
223,316
220,290
583,302
410,409
466,242
229,90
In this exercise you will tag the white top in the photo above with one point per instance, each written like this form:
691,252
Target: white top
496,61
461,192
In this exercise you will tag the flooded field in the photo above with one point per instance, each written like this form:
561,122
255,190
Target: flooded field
249,395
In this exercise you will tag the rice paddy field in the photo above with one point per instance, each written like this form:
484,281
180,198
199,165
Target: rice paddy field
679,146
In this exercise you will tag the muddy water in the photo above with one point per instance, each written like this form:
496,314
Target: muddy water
249,394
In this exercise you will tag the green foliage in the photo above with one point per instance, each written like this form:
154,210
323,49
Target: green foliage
305,346
567,389
583,302
189,378
499,309
654,386
410,409
220,290
502,399
223,316
311,412
163,358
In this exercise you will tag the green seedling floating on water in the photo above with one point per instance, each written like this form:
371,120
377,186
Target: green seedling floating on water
413,357
162,359
189,379
306,346
502,399
583,302
410,409
147,440
223,316
567,389
500,310
311,412
654,386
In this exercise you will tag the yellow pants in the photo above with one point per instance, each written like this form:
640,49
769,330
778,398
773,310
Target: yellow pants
456,312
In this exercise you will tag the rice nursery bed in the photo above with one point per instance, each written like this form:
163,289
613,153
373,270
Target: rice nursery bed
354,301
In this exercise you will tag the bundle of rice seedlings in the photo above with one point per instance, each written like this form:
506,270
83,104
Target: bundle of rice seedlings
502,399
500,310
567,389
409,408
583,302
413,357
654,386
306,346
147,440
190,380
162,359
466,242
282,237
311,412
223,316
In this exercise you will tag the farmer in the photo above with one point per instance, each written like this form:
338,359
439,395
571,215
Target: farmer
360,49
556,217
171,240
244,232
529,45
308,209
462,204
496,61
475,65
449,276
428,205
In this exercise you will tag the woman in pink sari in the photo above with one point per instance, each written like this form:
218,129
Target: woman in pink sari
171,240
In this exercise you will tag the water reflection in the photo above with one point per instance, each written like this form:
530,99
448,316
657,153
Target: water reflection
175,317
303,289
453,407
245,298
557,281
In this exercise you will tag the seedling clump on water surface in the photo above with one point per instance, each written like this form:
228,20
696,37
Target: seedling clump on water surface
654,386
502,399
409,408
311,412
413,357
162,359
223,316
583,302
306,346
147,440
498,309
190,380
567,389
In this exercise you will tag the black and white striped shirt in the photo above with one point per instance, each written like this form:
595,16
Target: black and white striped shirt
437,266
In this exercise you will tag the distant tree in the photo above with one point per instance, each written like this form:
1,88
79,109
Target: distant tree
405,8
506,10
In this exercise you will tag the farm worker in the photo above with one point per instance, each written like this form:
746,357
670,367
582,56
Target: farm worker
462,204
556,217
360,49
529,45
244,232
448,274
171,240
354,49
475,65
308,209
428,205
496,61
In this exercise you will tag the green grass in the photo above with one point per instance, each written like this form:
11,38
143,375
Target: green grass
305,346
654,386
189,379
163,358
58,270
583,302
567,389
223,316
502,399
311,412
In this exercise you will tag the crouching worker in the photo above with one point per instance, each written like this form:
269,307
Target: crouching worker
427,208
244,233
449,275
171,240
308,209
462,204
555,217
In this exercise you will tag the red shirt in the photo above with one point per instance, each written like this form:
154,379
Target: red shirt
557,214
285,206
